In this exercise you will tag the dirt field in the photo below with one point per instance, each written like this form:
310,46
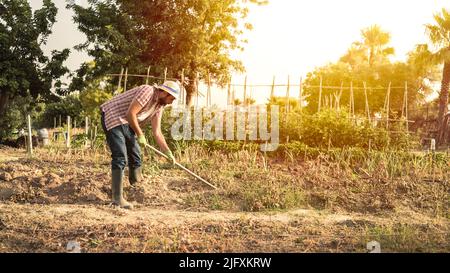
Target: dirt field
45,202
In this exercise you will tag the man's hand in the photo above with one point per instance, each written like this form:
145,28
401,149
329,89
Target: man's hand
142,140
170,156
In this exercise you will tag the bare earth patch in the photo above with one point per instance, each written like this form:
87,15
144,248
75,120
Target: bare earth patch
45,203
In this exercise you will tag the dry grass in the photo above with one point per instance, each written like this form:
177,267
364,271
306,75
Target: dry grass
60,195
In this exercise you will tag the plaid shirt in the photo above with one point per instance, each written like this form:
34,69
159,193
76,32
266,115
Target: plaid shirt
116,109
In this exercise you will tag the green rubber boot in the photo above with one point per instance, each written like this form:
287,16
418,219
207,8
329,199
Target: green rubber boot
117,190
135,175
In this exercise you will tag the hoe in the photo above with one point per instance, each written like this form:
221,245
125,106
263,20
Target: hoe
182,167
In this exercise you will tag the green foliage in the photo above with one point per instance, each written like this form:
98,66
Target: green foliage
196,36
367,61
331,128
439,37
328,127
24,69
281,102
371,50
69,106
91,98
324,130
15,117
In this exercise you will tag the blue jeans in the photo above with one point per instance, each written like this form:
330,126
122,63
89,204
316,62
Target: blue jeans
123,145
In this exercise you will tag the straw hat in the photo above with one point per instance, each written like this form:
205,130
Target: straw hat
171,87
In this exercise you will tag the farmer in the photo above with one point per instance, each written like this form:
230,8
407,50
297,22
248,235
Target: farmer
122,118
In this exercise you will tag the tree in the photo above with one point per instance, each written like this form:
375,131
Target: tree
92,97
372,49
367,61
193,35
24,69
69,106
439,36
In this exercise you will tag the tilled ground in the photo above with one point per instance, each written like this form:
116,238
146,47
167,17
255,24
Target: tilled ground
37,181
44,204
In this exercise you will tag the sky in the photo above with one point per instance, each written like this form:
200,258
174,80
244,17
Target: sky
292,37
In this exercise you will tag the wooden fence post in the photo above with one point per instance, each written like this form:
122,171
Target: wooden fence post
233,95
320,95
94,136
126,79
245,90
272,91
120,80
387,105
197,83
208,92
338,99
300,96
148,74
406,107
352,101
68,132
86,130
229,93
367,103
288,107
30,137
182,90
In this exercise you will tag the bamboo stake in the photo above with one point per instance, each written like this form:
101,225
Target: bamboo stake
94,137
30,137
261,85
335,97
68,132
406,106
182,91
54,122
233,96
229,93
120,80
340,96
245,90
367,102
300,96
165,74
388,105
60,125
86,130
352,101
320,94
272,91
197,82
126,80
148,74
288,107
208,94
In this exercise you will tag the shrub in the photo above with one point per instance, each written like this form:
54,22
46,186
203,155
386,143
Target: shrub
69,106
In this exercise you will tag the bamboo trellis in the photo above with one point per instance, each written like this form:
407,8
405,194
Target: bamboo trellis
325,100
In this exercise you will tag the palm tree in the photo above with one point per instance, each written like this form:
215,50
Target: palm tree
439,36
376,41
372,48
